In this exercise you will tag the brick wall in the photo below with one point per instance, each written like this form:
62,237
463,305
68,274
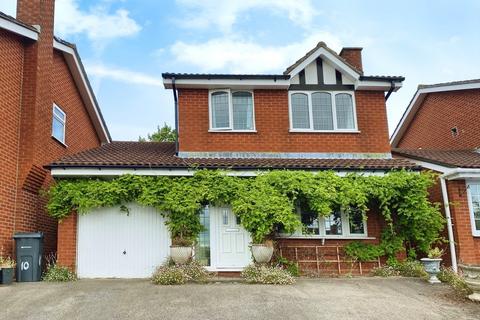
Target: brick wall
431,128
67,242
272,125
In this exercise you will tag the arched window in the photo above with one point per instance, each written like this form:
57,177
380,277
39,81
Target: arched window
220,110
322,114
344,111
242,103
300,112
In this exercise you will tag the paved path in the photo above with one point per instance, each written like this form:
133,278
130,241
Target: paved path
356,298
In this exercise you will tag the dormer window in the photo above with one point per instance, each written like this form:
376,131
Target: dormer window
231,110
322,111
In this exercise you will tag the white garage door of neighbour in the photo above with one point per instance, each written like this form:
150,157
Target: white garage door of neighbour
116,244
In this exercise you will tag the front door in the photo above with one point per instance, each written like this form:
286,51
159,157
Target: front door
232,240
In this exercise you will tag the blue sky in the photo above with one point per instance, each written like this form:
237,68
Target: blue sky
126,45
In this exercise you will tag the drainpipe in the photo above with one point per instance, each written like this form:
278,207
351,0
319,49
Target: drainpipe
175,98
392,86
451,239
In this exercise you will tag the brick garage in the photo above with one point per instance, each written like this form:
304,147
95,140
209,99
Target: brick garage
34,75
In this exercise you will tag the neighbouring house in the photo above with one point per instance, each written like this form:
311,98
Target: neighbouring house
48,111
322,113
439,131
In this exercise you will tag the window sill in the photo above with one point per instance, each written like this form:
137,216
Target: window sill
232,131
359,237
322,131
60,142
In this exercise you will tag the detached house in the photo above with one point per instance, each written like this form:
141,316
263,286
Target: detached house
48,111
439,131
322,113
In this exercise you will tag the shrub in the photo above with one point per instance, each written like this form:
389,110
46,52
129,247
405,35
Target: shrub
404,268
456,281
263,274
57,273
170,274
363,251
290,266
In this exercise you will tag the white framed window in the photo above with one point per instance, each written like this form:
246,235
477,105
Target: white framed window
231,110
59,120
322,111
340,224
473,193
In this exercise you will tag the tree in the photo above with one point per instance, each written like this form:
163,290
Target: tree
163,134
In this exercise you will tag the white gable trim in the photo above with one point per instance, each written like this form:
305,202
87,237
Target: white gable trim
322,52
84,89
415,104
228,83
18,29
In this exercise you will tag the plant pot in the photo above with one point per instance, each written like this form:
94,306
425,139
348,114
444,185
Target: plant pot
472,278
6,275
262,253
432,267
180,254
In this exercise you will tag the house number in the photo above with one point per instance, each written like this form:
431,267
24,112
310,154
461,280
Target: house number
25,265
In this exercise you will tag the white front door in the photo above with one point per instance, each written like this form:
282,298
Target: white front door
230,242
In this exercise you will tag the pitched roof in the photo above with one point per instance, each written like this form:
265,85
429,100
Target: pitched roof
446,84
449,158
18,22
129,154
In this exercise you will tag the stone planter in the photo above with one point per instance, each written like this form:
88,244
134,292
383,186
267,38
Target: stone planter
262,253
180,255
472,278
6,275
432,267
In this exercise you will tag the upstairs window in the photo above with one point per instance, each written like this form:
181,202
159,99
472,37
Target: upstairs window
59,120
322,111
231,111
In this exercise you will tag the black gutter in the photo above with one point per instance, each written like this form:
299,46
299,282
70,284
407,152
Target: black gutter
175,98
392,86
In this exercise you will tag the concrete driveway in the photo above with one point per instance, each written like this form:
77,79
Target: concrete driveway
356,298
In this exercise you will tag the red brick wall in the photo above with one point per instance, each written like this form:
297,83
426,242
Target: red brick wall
11,58
67,242
272,125
467,246
353,56
438,114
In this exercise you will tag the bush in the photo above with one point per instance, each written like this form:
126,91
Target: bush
290,266
263,274
57,273
170,274
404,268
457,282
363,251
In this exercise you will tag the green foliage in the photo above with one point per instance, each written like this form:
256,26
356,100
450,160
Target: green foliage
435,253
256,273
360,251
456,281
163,134
171,274
290,266
405,268
57,273
267,202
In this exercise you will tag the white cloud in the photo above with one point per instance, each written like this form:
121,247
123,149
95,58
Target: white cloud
231,54
223,14
122,75
97,23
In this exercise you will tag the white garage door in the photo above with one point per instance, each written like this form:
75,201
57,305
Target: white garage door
116,244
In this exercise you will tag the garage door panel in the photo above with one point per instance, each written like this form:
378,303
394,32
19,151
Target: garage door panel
112,243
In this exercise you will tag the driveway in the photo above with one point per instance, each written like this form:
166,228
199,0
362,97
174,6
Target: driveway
356,298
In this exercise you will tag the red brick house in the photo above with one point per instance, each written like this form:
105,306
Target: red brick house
48,111
322,113
439,131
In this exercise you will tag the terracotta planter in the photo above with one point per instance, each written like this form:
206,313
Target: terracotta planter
180,255
262,253
432,267
6,275
472,278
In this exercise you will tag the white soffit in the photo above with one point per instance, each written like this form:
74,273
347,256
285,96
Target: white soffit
18,29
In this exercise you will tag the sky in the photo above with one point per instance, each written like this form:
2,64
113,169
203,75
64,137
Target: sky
125,45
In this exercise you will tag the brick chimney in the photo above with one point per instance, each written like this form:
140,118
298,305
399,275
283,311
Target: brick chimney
353,55
37,78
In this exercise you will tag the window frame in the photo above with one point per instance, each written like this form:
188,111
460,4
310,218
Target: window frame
230,111
475,232
346,234
333,94
55,107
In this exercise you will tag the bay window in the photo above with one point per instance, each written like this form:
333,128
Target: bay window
231,111
473,191
322,111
